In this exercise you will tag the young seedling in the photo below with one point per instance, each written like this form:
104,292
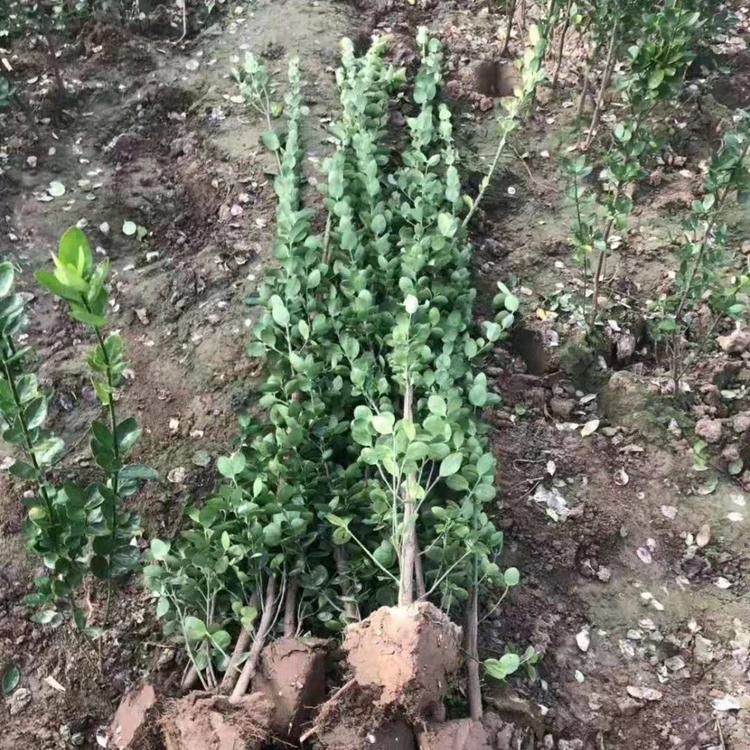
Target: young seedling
257,89
82,286
56,528
702,277
656,65
532,74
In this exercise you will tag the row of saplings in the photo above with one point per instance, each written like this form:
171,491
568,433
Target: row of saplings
355,504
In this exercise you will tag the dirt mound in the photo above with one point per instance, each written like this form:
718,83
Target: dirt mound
463,734
406,656
135,724
401,660
292,675
350,719
201,721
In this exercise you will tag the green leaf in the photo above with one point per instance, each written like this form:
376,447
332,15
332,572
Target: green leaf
493,331
162,607
100,567
272,534
133,472
256,349
22,470
48,450
231,466
87,318
280,314
221,639
447,224
383,423
511,577
478,391
457,483
436,404
485,464
313,279
337,521
501,668
127,434
7,274
271,141
74,250
450,464
195,629
159,549
378,224
248,615
11,679
36,412
511,302
656,78
385,554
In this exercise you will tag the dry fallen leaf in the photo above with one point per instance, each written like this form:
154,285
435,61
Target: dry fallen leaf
727,703
704,535
177,475
583,639
621,477
590,427
644,554
643,693
53,683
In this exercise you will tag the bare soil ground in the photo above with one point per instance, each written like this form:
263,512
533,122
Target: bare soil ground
621,591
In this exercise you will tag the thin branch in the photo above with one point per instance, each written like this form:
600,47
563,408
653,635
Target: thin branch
251,665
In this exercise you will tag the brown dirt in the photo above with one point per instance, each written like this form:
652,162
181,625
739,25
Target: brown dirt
211,722
406,655
136,719
155,125
459,734
350,718
292,674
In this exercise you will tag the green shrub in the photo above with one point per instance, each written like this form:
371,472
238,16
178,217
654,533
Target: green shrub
365,482
77,530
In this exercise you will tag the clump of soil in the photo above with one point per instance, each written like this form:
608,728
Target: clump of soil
201,721
292,674
462,734
135,724
406,655
401,660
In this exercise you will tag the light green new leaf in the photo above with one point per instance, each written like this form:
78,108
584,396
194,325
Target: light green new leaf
195,629
383,423
159,549
450,464
447,225
7,274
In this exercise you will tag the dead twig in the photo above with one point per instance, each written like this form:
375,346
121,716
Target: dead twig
721,735
313,730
